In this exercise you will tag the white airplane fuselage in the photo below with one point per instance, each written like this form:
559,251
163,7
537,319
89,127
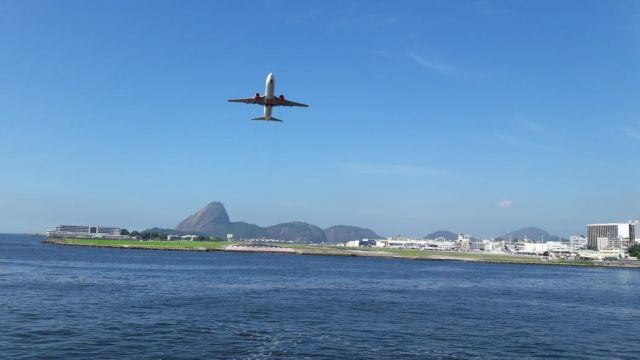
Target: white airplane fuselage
268,96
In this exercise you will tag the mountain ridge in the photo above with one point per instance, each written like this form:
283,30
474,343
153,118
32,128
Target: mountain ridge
342,233
213,220
531,233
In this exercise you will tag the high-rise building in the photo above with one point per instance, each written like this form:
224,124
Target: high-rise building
612,235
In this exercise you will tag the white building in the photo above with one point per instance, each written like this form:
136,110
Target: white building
578,242
352,243
81,231
489,246
534,248
419,244
463,243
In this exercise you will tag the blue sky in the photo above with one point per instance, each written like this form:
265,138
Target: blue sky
472,116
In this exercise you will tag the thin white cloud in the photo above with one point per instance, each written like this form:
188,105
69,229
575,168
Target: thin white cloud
434,65
531,126
393,169
505,203
633,133
524,143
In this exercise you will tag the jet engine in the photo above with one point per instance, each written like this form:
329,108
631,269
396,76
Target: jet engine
281,99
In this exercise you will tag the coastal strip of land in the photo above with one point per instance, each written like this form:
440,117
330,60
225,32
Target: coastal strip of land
175,245
300,249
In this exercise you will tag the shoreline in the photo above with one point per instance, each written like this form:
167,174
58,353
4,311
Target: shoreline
313,250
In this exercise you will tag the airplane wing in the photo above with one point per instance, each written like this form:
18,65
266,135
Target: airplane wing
292,103
252,100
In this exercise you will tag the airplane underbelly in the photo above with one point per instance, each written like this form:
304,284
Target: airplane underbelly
269,100
269,91
267,112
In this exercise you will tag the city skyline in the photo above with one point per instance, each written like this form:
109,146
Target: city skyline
480,117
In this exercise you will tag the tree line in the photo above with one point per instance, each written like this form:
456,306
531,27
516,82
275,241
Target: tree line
152,235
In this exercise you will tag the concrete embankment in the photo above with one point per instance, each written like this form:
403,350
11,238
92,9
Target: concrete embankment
265,249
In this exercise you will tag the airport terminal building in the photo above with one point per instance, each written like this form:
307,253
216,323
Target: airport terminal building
81,231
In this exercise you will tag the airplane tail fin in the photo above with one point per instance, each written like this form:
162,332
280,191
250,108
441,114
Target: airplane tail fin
263,118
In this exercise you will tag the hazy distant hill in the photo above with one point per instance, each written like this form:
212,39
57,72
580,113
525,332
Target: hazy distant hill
342,233
213,220
243,230
448,235
531,233
442,233
296,231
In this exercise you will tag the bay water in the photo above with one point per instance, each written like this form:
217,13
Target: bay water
74,302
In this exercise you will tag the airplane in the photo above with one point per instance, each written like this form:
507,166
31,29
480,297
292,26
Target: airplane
268,100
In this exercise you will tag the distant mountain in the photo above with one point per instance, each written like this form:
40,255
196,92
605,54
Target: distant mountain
342,233
243,230
448,235
530,233
210,219
296,231
213,220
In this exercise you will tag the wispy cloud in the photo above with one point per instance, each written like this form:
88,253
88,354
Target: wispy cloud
394,169
532,126
633,133
505,203
435,65
524,143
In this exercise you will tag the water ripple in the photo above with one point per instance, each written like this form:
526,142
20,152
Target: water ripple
69,302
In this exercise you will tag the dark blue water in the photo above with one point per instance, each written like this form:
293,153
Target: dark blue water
71,302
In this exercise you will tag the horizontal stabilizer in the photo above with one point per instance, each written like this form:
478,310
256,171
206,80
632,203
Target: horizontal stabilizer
270,119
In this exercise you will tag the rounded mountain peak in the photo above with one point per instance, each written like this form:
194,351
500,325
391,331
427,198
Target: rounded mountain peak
214,204
206,220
